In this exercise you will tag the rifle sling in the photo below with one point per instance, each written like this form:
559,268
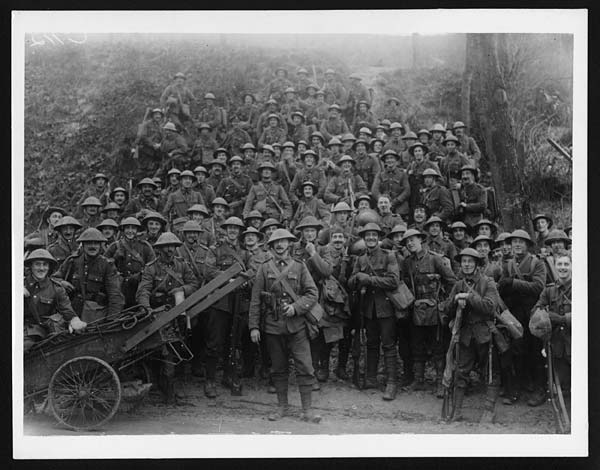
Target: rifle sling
281,278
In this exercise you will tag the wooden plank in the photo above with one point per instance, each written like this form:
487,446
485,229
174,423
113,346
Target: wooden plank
216,295
187,304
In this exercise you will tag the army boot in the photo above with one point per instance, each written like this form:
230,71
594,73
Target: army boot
459,396
323,370
408,376
391,387
439,374
307,413
283,408
419,383
340,371
372,360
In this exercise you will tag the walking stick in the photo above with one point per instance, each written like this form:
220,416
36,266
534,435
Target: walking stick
451,369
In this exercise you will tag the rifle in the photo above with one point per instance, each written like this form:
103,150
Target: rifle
560,150
136,152
351,192
561,415
234,350
360,345
451,369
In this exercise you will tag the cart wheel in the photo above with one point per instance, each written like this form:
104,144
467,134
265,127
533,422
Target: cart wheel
84,393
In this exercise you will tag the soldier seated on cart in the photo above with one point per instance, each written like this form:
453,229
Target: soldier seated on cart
46,304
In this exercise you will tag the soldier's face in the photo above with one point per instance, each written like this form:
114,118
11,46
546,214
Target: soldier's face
256,223
437,136
363,205
519,246
315,141
414,244
467,177
187,182
309,234
563,267
541,225
435,229
250,240
219,210
179,81
347,145
419,155
233,232
248,100
450,146
91,249
384,205
200,177
100,183
307,191
91,210
390,162
483,248
288,153
290,96
173,180
222,157
328,77
396,132
296,120
338,239
269,231
396,237
333,113
361,149
281,246
362,108
320,98
130,231
108,232
67,231
249,153
458,234
428,181
485,230
236,168
119,197
54,217
167,253
40,268
147,190
309,161
311,91
424,138
506,248
157,117
467,265
377,146
216,169
459,132
273,122
558,246
419,215
371,238
191,237
266,174
198,217
153,227
209,102
301,149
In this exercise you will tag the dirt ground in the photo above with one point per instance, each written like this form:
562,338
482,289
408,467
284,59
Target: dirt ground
345,410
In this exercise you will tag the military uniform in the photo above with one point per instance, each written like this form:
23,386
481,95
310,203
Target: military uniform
61,249
396,144
213,116
314,174
95,280
333,128
298,133
103,196
261,198
88,221
215,181
440,246
367,168
364,120
394,183
263,122
451,165
176,148
248,115
437,151
313,206
149,158
213,226
204,149
234,190
388,221
348,229
235,138
140,203
206,190
46,302
438,202
338,189
276,88
182,96
270,135
470,148
130,257
180,201
335,93
476,199
415,178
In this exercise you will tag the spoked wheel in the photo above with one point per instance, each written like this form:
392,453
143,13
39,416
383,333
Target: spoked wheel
84,393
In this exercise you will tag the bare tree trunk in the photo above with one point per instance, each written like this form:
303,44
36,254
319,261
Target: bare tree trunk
490,98
467,78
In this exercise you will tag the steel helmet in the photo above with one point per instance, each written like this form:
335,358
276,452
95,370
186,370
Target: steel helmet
424,131
266,165
470,168
319,135
252,230
309,221
433,219
520,233
354,76
173,171
557,235
386,123
100,176
154,216
451,138
221,150
191,226
302,142
412,148
50,210
334,141
91,201
288,144
149,182
366,103
118,189
91,235
370,227
334,106
220,201
204,125
34,243
169,126
158,111
360,141
398,228
188,173
540,325
363,197
43,255
346,158
237,158
347,137
273,116
276,145
167,239
270,222
290,90
130,221
396,125
233,222
310,183
279,67
329,72
201,208
543,216
201,169
254,215
298,113
248,146
108,223
390,152
302,70
486,222
341,207
312,85
268,148
438,128
409,135
68,220
502,237
111,206
358,247
179,75
480,238
209,96
310,152
367,216
458,224
365,130
412,232
393,98
431,172
468,252
271,101
216,161
158,181
281,234
458,125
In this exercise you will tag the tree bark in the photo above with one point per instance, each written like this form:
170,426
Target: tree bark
467,78
491,100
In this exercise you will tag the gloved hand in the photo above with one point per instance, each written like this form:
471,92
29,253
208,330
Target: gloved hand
76,325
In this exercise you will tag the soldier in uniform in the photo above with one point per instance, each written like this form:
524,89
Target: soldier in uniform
204,145
341,219
416,169
119,196
467,144
110,230
334,125
298,130
46,229
273,133
366,166
91,212
436,244
276,88
166,281
290,104
220,207
392,111
437,149
435,196
217,320
363,118
395,141
419,216
477,296
263,119
174,148
130,255
393,182
310,205
356,93
485,227
149,139
236,137
334,90
424,137
452,163
558,242
267,197
212,115
248,114
345,187
542,223
111,211
47,307
302,81
173,178
279,319
155,225
317,113
254,219
177,98
425,273
484,245
235,188
334,147
217,170
181,200
473,199
374,273
65,244
98,189
251,166
199,213
91,279
387,219
310,172
523,279
202,186
459,236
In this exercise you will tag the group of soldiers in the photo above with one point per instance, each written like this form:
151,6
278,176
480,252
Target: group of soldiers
367,245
